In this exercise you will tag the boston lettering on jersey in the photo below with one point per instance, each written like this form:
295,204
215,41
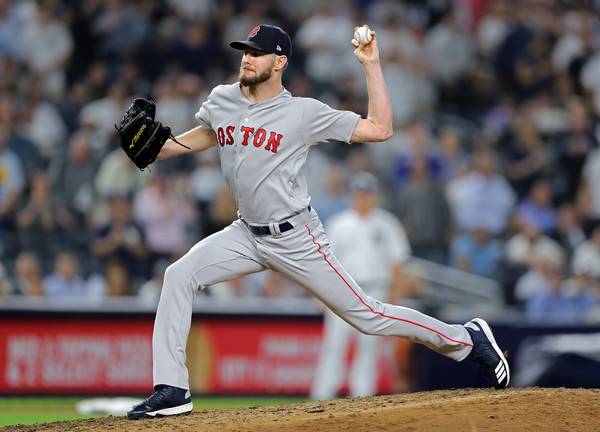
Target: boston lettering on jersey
250,136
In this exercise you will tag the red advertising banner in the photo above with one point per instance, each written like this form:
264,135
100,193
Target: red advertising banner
114,356
272,357
57,356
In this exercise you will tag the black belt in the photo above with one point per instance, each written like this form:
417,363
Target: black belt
261,230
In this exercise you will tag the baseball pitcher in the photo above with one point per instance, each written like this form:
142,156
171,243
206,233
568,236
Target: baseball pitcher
263,135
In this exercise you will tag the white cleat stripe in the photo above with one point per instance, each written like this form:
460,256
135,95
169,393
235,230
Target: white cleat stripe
501,376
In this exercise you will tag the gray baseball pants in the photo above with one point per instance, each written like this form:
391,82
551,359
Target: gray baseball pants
304,255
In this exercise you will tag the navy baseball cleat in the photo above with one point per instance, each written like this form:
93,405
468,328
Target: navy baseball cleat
165,401
486,354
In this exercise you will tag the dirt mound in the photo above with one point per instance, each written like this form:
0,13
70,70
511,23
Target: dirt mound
526,409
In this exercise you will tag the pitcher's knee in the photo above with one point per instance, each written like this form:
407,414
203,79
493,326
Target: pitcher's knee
368,319
363,324
177,276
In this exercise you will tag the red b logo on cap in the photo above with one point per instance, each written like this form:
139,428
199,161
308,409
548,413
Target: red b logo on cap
254,31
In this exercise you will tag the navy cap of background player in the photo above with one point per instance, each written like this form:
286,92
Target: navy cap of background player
364,182
267,38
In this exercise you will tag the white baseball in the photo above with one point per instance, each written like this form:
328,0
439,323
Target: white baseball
363,34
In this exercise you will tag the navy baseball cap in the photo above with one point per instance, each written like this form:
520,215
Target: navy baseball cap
364,182
267,38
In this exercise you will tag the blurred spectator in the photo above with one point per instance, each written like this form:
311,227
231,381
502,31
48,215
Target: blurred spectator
482,198
12,184
69,106
172,107
47,45
449,50
158,55
36,219
552,304
335,197
493,27
205,183
584,63
326,51
222,211
97,80
13,17
72,175
527,160
166,215
11,110
245,286
6,287
28,275
274,284
573,147
135,80
150,290
121,238
593,315
575,41
66,280
100,116
351,94
590,181
114,281
528,254
568,232
526,242
85,44
317,163
420,145
117,175
586,256
537,209
121,27
196,52
406,67
425,213
193,9
476,252
522,59
43,124
455,159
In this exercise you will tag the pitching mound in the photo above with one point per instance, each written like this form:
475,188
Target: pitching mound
453,410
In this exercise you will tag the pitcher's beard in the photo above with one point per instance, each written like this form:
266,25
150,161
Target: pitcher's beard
255,80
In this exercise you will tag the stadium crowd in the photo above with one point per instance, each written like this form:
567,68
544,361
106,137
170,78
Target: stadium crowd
494,167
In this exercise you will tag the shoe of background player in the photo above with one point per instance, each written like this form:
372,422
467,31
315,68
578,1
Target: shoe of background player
486,354
165,401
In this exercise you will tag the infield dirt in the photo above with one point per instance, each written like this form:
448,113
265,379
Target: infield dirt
513,409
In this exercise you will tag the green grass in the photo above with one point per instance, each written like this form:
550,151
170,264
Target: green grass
25,410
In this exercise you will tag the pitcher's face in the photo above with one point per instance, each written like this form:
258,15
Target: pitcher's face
256,67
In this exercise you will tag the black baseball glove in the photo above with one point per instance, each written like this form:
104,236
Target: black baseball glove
140,136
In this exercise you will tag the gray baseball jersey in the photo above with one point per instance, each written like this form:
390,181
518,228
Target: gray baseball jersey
262,147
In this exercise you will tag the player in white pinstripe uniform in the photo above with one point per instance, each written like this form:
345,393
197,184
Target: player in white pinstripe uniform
372,244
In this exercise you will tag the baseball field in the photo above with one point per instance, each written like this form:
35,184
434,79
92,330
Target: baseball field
526,409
